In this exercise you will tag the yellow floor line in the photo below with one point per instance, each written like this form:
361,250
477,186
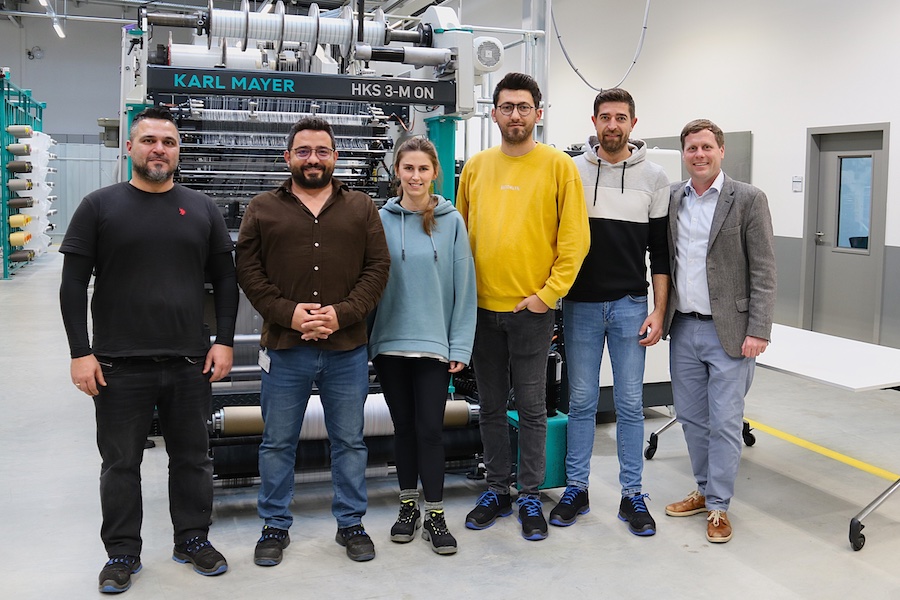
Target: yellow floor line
825,451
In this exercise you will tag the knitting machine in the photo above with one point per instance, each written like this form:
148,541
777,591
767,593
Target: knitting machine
236,92
249,76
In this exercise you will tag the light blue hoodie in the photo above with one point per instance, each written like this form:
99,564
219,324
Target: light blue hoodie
429,304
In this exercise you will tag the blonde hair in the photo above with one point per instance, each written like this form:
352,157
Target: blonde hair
421,144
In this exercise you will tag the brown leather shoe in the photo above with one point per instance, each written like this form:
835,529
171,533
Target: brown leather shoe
718,528
694,504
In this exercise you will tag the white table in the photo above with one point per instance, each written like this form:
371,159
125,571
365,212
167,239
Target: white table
848,364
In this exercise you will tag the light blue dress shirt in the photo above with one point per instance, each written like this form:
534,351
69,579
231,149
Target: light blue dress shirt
695,218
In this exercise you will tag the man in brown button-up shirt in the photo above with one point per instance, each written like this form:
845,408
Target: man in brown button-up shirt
312,259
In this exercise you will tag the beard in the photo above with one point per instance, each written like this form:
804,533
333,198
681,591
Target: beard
313,182
613,146
518,134
157,174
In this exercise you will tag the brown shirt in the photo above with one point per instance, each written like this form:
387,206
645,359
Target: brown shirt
286,256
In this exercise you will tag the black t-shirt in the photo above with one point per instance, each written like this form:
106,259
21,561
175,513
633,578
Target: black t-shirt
150,252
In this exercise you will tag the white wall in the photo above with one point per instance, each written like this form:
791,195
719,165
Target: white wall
78,77
772,67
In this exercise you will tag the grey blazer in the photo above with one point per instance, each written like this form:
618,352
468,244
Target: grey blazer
740,264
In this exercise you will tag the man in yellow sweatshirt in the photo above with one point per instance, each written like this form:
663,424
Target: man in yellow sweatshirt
523,204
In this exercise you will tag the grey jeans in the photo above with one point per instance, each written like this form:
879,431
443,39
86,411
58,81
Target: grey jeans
511,352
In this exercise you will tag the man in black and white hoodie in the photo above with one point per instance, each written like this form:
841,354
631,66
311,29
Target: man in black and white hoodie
627,202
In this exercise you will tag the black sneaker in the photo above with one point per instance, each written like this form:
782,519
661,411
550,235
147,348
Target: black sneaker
574,502
436,532
358,543
200,553
409,519
531,516
490,505
115,577
270,546
633,509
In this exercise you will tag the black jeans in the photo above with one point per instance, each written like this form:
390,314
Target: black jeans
511,352
416,392
182,394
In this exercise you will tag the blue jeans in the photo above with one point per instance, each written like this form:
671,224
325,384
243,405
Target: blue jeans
586,326
511,351
343,381
181,394
708,388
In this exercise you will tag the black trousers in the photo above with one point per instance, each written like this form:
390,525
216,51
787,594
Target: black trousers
181,393
416,392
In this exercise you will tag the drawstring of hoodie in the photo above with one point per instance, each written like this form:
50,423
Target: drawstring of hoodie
403,239
402,236
597,180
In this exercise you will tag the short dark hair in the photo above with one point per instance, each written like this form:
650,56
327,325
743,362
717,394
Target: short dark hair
519,81
154,112
698,125
314,123
614,95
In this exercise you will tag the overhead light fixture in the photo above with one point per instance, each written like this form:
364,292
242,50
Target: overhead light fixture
57,26
43,3
265,8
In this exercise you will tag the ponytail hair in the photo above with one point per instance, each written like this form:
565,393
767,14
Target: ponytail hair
421,144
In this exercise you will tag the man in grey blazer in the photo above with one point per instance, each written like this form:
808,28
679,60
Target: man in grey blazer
719,317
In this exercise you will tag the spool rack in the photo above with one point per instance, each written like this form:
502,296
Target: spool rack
19,108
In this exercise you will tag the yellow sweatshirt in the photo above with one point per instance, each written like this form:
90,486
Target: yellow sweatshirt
527,224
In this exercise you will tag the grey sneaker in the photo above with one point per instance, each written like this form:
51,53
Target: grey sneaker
436,532
408,521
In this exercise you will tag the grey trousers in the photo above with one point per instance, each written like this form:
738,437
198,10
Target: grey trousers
511,351
708,387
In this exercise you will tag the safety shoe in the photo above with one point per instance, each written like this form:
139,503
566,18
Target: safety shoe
200,552
357,542
633,510
115,576
409,519
574,502
436,532
694,504
718,527
270,546
490,505
531,516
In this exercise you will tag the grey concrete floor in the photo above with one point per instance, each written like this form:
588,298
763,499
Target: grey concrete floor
791,512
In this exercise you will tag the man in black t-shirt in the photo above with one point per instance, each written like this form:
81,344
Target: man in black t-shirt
150,244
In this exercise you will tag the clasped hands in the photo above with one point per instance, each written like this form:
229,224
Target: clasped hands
314,321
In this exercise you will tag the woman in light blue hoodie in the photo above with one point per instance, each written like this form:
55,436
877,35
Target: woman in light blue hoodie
423,331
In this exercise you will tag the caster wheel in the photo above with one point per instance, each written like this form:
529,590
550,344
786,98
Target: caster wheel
650,452
857,539
749,438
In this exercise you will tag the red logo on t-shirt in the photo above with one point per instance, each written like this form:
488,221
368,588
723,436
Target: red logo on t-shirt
181,212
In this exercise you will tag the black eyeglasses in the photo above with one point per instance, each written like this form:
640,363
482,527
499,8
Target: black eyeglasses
304,152
507,109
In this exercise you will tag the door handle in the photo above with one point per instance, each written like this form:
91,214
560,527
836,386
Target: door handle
819,236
